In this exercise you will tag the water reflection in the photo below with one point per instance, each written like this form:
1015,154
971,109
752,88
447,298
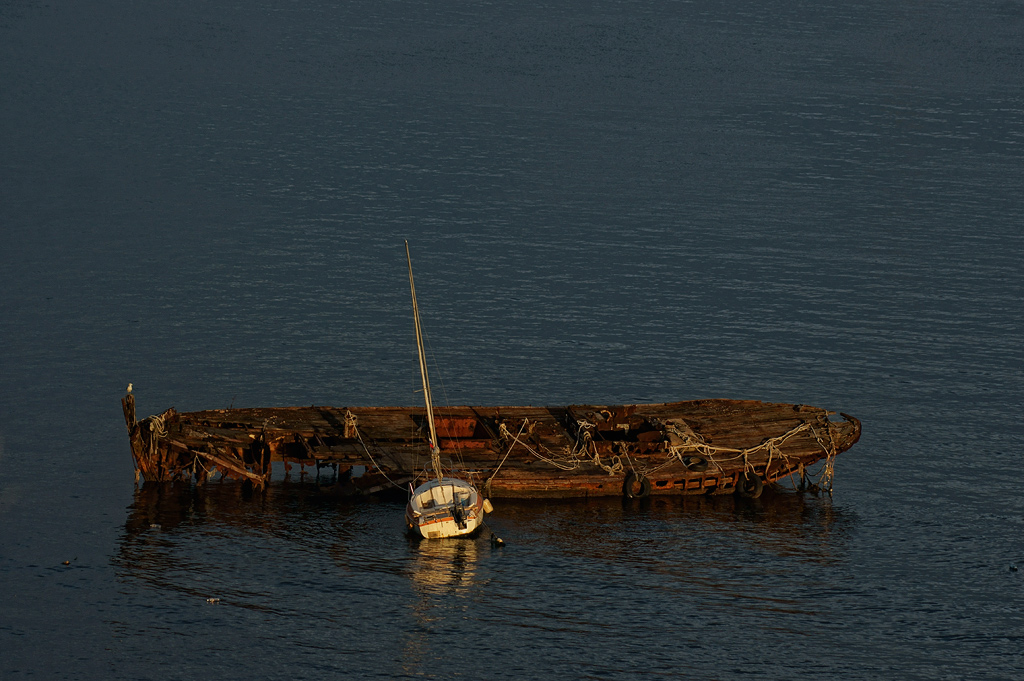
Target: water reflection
771,520
300,512
271,550
166,506
444,566
445,577
176,533
781,523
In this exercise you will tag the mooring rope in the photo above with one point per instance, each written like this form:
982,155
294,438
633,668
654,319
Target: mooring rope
827,474
366,449
504,433
157,430
571,459
585,441
350,423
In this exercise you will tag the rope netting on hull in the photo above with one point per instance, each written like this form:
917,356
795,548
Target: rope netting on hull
684,447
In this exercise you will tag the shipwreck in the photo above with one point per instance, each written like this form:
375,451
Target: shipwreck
710,446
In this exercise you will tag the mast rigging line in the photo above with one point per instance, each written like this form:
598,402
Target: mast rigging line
444,391
435,458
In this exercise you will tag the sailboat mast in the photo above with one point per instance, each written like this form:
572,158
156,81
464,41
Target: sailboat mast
435,457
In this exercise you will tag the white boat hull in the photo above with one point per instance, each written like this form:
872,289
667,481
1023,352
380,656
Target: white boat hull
449,508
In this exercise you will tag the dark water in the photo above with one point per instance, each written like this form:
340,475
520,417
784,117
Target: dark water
607,202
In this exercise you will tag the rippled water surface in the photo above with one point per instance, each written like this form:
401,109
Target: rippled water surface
606,202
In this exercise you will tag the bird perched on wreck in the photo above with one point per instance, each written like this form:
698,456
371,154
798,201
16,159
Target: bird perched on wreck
129,388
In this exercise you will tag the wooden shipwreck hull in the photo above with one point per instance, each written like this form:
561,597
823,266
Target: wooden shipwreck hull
696,447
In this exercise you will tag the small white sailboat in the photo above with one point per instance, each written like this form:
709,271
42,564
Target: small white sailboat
443,506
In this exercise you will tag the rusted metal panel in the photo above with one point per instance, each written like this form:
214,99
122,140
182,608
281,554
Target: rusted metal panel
451,427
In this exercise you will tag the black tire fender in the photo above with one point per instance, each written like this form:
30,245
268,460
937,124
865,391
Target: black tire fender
749,485
636,486
697,464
